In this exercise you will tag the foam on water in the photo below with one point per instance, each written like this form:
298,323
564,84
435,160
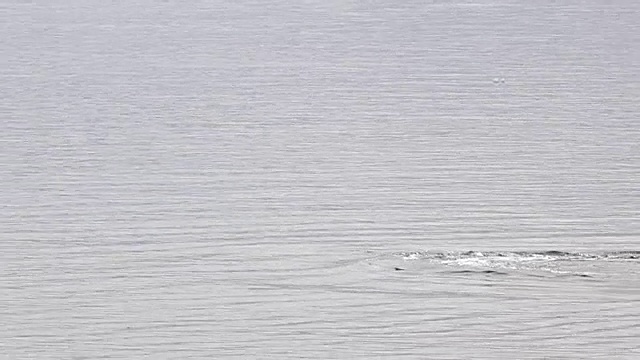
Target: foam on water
554,262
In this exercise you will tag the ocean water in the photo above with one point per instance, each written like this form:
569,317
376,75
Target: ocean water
320,179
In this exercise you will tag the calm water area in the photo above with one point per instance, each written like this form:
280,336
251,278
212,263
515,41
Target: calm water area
315,179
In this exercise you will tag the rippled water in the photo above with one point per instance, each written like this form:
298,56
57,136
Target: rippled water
337,179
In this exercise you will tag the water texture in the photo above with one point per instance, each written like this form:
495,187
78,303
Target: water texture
319,179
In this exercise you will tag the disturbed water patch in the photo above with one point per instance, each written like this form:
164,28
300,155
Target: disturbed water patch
553,262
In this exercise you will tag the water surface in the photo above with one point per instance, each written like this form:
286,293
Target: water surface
342,179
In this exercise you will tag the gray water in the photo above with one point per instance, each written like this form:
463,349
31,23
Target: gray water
320,179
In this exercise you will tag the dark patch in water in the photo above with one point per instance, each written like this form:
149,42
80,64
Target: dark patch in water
478,272
584,275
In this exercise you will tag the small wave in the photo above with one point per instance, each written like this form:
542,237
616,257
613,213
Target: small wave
489,272
551,255
561,263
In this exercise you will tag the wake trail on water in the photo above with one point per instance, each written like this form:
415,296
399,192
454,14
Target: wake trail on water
535,263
